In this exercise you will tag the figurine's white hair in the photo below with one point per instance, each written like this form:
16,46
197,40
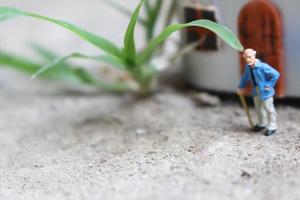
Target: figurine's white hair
249,52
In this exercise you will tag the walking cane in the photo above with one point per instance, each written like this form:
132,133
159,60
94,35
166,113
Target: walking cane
246,109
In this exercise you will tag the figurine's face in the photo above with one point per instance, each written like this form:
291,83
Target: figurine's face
249,58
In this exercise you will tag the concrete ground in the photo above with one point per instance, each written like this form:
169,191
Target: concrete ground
61,142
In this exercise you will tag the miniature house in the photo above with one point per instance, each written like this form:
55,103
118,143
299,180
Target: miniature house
271,27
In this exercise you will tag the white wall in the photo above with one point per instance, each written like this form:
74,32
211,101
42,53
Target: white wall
220,70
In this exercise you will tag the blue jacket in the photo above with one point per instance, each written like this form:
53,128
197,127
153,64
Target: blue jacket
265,76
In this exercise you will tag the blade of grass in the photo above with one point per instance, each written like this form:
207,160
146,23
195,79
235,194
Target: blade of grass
102,43
18,63
129,42
29,67
120,8
185,50
153,15
43,52
124,10
156,9
58,72
62,67
223,32
171,12
147,7
51,56
107,58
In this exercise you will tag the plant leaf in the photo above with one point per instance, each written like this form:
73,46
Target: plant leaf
106,58
129,42
52,57
154,13
171,12
223,32
102,43
43,52
119,7
152,18
185,50
58,72
18,63
125,11
147,7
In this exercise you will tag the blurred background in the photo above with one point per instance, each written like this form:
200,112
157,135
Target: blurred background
93,15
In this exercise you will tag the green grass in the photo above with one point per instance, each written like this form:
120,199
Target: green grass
61,71
127,58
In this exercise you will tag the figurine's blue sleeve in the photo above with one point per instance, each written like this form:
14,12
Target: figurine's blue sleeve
245,78
271,75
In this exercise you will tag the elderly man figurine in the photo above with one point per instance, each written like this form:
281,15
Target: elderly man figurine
263,78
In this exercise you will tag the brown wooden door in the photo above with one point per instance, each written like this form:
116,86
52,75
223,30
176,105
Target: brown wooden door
260,28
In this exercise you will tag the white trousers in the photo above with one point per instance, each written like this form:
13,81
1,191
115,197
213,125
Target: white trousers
266,113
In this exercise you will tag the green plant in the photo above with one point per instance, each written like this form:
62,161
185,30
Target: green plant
149,22
127,58
61,71
153,9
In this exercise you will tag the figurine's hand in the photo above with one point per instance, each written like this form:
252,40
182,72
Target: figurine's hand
267,88
240,91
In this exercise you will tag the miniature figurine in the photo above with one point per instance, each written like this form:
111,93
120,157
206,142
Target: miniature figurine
263,78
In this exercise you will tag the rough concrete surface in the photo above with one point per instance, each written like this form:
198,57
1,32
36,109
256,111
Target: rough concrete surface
57,143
